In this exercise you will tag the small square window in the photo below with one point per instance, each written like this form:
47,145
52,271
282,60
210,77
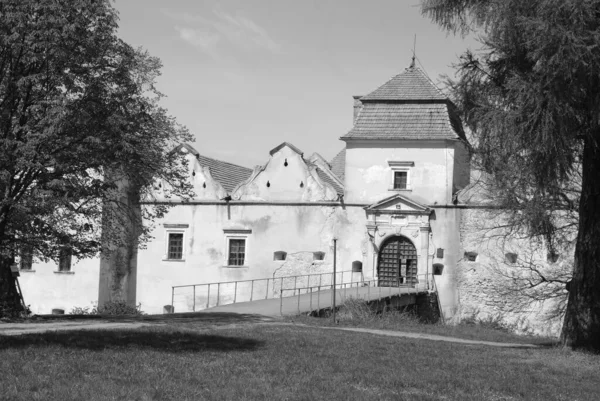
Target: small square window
64,260
237,252
510,258
471,256
175,251
400,179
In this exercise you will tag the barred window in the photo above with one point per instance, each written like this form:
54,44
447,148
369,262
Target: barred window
237,252
175,251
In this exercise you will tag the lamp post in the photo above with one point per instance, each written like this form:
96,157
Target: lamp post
334,274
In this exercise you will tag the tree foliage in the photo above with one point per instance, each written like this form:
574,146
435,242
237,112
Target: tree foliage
531,97
79,114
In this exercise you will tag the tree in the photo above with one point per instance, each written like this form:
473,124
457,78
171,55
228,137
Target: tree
531,96
82,136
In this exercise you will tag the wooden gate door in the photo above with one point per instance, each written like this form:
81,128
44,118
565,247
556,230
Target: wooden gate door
397,262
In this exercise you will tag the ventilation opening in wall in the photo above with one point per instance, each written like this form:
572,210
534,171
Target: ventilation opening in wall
552,257
318,255
279,255
471,256
438,268
510,257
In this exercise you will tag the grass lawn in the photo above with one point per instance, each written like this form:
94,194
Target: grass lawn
187,361
356,313
479,332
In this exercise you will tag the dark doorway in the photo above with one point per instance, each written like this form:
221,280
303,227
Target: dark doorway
397,262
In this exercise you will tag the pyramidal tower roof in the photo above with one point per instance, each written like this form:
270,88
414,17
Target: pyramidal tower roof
407,107
411,84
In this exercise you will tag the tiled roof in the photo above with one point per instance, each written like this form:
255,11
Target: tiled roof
405,121
412,84
326,178
338,164
227,174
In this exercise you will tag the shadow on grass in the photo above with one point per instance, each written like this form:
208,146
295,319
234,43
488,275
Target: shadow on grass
189,317
98,340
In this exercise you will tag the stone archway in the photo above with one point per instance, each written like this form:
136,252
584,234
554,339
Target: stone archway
397,262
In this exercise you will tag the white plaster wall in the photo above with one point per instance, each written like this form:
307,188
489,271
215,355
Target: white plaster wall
44,289
445,224
293,229
369,178
296,181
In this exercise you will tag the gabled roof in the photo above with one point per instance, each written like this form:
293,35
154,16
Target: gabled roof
289,145
227,174
397,198
411,84
338,164
325,173
325,177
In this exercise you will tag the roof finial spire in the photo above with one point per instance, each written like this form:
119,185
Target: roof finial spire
412,63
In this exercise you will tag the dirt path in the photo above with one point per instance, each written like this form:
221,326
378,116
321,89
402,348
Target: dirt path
433,337
210,321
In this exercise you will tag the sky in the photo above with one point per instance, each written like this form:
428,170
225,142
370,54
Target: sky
246,75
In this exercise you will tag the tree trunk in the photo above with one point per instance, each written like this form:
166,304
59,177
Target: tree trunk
10,302
120,236
581,328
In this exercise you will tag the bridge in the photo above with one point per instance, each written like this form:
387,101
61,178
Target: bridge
289,295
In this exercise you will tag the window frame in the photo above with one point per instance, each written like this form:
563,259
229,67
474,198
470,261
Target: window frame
168,232
406,181
237,234
401,167
26,258
170,252
65,260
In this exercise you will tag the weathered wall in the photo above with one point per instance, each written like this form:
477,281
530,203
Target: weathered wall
369,178
445,235
487,288
45,288
294,229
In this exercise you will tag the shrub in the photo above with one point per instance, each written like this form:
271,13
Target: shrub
116,308
113,308
358,311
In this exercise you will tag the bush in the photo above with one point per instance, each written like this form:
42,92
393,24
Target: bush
10,311
358,311
117,308
113,308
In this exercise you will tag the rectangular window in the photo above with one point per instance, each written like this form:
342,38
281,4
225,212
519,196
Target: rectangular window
26,258
64,260
400,179
237,252
175,246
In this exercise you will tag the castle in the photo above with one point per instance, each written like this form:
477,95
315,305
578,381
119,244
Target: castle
393,198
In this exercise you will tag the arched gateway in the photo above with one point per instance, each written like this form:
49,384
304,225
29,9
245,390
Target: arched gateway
397,262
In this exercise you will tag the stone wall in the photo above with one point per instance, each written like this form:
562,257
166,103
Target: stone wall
494,287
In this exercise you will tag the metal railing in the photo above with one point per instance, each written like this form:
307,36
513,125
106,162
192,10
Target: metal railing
230,292
368,290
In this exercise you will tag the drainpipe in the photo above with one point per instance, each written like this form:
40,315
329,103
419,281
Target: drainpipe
334,273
